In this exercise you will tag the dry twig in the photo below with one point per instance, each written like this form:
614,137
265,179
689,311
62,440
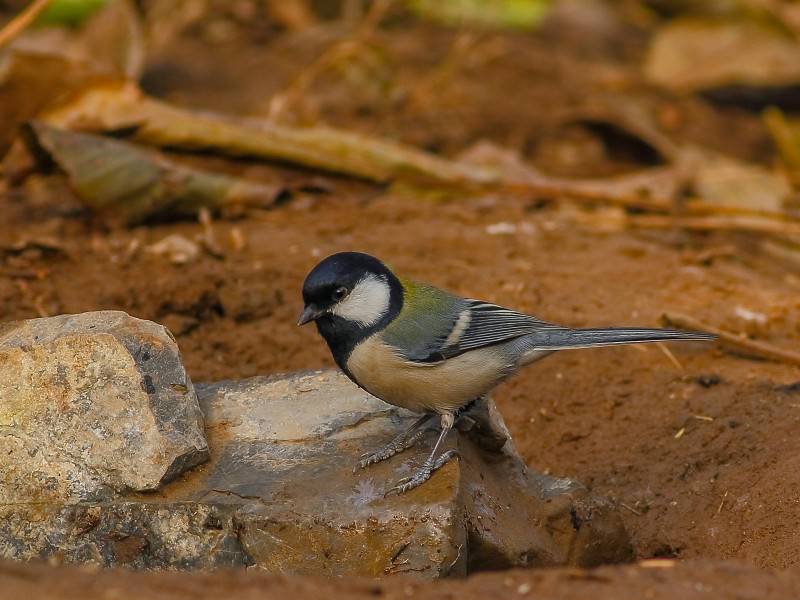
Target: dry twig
670,356
208,240
734,341
722,503
781,252
753,223
22,21
630,508
658,563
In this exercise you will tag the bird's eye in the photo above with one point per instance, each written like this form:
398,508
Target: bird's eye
339,293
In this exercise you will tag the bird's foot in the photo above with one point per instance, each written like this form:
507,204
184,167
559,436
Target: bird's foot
371,458
425,472
396,446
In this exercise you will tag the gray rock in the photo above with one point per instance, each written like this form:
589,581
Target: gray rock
279,493
92,405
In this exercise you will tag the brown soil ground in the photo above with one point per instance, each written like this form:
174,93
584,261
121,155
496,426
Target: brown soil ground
694,580
703,456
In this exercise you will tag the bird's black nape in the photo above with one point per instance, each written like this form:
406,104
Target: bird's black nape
345,270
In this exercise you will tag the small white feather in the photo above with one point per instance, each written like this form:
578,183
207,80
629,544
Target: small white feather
367,303
459,328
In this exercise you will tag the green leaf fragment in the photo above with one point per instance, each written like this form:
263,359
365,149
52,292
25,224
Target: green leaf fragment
490,13
69,12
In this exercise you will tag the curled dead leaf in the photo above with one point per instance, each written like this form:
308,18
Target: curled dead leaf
42,65
126,184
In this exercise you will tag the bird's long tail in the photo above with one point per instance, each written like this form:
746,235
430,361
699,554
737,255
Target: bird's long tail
564,339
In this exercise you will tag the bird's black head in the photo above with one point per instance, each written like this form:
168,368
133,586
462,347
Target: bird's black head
350,295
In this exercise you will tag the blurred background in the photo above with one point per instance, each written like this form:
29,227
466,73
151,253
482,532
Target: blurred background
591,162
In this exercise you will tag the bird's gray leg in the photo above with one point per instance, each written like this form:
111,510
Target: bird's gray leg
431,464
404,441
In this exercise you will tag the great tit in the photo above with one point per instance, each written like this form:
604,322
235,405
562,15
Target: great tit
429,351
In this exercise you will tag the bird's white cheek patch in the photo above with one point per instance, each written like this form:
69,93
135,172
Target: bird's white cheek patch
367,303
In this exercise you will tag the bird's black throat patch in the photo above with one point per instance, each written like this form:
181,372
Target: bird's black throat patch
343,335
345,270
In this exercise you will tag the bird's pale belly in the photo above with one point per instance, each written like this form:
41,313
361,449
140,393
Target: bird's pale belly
438,387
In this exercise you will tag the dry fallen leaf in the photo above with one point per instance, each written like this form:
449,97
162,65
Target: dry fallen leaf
109,42
29,82
729,183
702,54
176,248
122,106
126,184
43,64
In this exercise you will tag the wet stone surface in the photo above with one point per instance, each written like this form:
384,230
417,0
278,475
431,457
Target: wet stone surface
279,492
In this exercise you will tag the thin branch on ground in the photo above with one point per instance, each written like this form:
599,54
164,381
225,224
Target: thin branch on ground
732,340
22,21
752,223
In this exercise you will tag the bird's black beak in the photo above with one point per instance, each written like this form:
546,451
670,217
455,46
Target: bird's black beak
310,313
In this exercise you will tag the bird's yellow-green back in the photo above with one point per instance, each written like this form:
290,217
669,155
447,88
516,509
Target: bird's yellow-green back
425,320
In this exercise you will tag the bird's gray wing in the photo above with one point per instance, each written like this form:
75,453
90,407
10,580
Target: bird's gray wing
437,325
455,326
484,324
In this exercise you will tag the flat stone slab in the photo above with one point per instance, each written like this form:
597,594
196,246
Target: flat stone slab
93,405
279,492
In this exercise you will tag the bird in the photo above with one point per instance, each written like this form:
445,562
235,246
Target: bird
429,351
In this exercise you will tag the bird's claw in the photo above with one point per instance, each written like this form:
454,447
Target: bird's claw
396,446
425,472
371,458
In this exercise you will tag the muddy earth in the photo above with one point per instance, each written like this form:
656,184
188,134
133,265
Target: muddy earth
696,444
